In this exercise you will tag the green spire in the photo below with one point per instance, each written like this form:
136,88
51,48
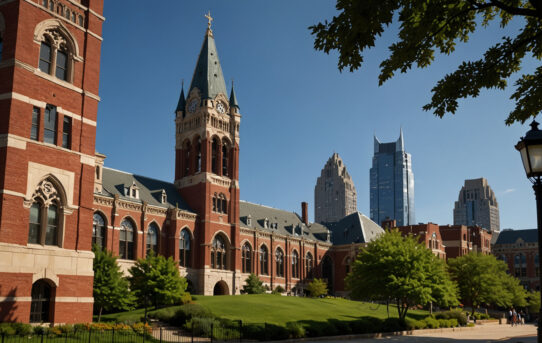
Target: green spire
181,105
233,98
208,76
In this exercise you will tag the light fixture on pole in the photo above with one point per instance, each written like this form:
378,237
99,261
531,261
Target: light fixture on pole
530,148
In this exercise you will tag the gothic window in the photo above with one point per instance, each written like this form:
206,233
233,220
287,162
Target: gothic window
58,48
264,269
295,265
45,220
49,127
40,304
220,203
225,149
80,20
309,265
520,265
184,249
98,230
279,259
198,156
44,3
152,238
214,155
67,14
247,258
186,149
126,240
67,133
74,17
218,253
45,57
35,129
61,65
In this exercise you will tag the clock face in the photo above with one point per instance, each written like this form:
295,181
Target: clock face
220,107
192,105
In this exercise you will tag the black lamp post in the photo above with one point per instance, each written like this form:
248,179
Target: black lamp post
530,148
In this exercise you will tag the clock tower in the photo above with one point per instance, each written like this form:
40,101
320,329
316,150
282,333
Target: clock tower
207,170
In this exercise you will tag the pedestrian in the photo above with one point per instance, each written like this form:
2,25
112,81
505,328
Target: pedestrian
514,317
510,318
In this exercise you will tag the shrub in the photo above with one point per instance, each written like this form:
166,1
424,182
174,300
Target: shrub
278,290
317,287
342,327
165,314
7,329
296,330
432,323
201,326
253,285
189,311
38,330
455,314
413,324
275,332
366,325
393,324
186,298
254,331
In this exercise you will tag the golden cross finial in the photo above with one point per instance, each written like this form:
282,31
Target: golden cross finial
210,19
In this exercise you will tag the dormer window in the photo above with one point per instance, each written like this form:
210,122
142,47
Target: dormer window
249,220
164,197
266,223
132,191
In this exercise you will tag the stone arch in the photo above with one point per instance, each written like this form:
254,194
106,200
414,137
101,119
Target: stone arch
47,27
221,288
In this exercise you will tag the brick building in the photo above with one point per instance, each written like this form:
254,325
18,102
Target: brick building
428,234
461,240
58,198
49,73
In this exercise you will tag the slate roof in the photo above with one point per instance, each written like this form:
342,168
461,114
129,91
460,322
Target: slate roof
150,190
354,228
233,98
287,223
208,76
182,102
511,236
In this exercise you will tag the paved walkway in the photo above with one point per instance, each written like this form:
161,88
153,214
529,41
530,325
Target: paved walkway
479,334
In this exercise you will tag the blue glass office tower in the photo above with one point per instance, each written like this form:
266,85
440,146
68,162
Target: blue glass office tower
392,183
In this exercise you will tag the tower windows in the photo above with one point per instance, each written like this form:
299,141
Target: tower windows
49,127
152,238
279,259
246,258
45,57
126,240
45,221
35,129
295,264
214,154
218,253
225,149
220,203
186,148
184,249
98,230
264,269
67,132
198,156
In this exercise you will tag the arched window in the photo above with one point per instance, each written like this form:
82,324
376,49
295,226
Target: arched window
220,203
51,6
45,57
225,151
61,65
81,22
279,259
186,149
214,155
218,253
184,249
264,269
152,238
40,305
520,265
98,230
309,265
247,258
126,240
295,265
67,14
198,155
45,218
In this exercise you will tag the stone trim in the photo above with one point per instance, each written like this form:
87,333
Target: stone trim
8,192
12,141
55,300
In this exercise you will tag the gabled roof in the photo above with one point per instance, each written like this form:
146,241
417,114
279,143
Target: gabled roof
354,228
114,183
208,76
511,236
287,223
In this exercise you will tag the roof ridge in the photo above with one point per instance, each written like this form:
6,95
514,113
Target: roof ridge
148,177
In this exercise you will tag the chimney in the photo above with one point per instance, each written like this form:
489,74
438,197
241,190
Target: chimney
305,213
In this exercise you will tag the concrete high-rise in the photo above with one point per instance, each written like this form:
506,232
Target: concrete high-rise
392,183
334,194
477,205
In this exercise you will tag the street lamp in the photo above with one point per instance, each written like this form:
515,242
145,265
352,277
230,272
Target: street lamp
530,148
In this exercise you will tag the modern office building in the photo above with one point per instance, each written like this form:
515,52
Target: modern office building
392,183
334,194
477,205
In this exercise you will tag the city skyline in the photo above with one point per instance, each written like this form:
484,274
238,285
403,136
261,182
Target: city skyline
274,70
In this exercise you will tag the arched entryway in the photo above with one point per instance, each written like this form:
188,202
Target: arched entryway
327,272
40,307
221,288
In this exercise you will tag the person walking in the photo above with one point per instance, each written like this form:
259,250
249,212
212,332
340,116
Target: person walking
514,317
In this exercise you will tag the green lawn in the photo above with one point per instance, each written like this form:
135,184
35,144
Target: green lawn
275,309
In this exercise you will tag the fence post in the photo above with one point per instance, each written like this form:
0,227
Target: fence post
212,330
42,336
89,334
113,335
66,339
160,334
240,331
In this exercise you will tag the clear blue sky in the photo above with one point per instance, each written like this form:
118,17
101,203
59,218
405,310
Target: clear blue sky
298,108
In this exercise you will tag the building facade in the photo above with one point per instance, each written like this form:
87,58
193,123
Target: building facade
335,195
461,240
427,234
392,183
49,73
477,205
519,250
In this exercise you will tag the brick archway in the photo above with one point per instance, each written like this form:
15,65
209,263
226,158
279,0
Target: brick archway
221,288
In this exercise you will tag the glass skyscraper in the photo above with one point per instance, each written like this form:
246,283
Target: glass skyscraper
392,183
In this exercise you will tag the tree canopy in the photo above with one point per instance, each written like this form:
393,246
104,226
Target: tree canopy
317,287
110,290
400,268
429,26
482,279
253,285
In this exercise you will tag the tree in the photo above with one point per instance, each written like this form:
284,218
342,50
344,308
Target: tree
317,287
253,285
482,279
533,302
156,280
400,268
110,290
438,25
